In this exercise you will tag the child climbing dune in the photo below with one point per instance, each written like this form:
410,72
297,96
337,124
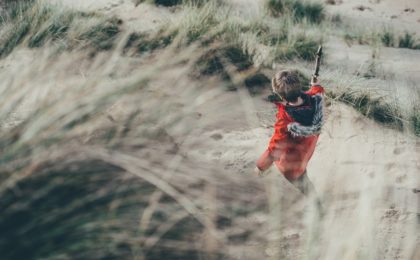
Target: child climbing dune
298,124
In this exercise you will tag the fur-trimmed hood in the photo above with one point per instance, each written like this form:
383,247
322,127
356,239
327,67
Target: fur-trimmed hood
308,117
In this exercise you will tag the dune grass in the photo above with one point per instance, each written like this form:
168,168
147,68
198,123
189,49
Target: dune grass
213,61
33,24
375,108
312,12
142,43
301,46
382,110
228,41
409,41
390,103
89,186
415,119
386,37
209,24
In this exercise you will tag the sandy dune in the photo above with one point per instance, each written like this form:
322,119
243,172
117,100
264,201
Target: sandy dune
399,16
367,174
402,14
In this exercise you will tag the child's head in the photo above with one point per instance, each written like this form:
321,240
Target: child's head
286,84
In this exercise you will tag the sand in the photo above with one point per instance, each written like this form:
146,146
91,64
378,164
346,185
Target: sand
398,16
402,14
365,173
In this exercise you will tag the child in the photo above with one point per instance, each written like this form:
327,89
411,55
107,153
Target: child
296,131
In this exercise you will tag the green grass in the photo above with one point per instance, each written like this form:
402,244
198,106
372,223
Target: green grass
301,47
406,41
415,120
299,10
214,26
409,41
385,37
142,42
14,8
35,24
220,61
201,23
391,103
102,35
375,108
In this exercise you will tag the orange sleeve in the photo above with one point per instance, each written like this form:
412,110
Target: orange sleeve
280,128
280,134
315,89
281,131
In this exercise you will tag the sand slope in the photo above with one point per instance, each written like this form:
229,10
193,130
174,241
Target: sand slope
364,172
402,15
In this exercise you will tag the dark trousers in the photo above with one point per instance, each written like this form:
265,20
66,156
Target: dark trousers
304,185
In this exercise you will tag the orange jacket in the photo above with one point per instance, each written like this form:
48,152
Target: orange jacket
291,154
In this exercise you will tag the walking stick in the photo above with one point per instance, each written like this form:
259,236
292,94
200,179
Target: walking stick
317,65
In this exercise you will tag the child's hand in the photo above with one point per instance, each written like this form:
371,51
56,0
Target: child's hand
260,173
314,80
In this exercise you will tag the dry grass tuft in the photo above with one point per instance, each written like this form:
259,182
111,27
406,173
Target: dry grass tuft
88,185
35,23
376,108
386,37
300,10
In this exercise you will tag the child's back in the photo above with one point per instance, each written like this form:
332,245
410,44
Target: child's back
296,131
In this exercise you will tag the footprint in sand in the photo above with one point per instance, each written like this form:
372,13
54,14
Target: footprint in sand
409,10
216,136
248,166
390,166
401,178
398,150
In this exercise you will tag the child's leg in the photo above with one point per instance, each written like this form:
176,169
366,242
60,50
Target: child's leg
265,161
304,185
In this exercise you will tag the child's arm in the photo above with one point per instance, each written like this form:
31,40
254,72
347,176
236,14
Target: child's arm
268,157
316,88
